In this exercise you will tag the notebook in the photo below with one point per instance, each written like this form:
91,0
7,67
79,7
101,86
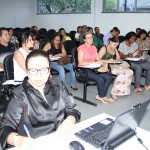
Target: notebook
108,133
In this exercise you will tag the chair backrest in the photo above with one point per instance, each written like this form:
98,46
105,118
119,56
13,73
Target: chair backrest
81,77
72,34
9,67
121,39
50,33
69,45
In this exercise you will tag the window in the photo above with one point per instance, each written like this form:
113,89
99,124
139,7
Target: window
126,6
63,6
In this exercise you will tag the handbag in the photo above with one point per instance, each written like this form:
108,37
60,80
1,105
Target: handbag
102,69
125,64
64,60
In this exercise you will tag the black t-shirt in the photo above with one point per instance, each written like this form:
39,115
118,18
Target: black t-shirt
54,51
7,49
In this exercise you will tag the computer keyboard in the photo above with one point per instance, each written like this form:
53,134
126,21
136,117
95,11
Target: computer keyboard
95,134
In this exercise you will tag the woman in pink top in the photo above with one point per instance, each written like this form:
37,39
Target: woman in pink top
87,54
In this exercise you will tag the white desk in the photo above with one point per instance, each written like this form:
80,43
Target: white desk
51,141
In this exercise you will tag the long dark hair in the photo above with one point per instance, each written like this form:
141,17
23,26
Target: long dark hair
23,38
129,35
52,41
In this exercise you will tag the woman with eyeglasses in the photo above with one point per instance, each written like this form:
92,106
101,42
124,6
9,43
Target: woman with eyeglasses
56,49
41,104
26,42
87,54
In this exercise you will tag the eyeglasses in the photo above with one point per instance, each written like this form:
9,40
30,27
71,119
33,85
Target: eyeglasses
43,71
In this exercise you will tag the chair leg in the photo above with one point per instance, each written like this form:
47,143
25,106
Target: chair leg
84,100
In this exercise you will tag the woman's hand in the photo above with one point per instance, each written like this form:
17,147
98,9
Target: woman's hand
66,127
24,143
111,60
130,55
50,55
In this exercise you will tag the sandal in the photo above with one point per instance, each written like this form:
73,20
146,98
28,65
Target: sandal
147,87
99,99
138,91
109,100
113,96
74,88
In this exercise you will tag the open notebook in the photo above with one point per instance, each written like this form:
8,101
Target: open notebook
108,133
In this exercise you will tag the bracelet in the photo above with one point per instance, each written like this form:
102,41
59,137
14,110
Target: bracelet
14,137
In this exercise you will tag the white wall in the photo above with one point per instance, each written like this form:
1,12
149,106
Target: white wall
22,13
16,13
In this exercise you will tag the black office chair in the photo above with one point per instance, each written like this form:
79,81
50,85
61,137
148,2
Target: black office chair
82,77
72,34
50,34
9,73
69,45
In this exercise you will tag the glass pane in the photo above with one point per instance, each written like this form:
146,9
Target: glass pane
130,5
111,5
143,5
122,5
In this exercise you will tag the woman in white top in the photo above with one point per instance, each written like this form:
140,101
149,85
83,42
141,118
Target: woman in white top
20,55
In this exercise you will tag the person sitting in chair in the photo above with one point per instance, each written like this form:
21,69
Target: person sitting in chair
122,83
41,104
87,54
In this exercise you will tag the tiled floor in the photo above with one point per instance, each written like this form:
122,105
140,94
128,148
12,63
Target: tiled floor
121,105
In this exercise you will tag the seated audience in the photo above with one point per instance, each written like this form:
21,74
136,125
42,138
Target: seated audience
148,40
79,29
63,34
13,39
141,41
84,29
109,54
20,55
41,104
137,30
6,47
55,48
114,32
36,43
87,54
90,29
98,37
129,48
35,28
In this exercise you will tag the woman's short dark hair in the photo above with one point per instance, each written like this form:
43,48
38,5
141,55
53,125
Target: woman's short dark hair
33,33
23,38
114,39
129,35
36,53
115,29
142,31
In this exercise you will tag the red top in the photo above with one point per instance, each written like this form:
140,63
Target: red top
90,53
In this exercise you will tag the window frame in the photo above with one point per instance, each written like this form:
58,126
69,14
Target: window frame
126,11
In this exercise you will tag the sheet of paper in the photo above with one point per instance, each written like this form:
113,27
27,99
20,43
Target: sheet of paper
92,66
55,58
133,59
12,82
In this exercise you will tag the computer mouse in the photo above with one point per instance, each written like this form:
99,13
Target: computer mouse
75,145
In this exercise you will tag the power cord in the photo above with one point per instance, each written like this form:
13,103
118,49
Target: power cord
140,141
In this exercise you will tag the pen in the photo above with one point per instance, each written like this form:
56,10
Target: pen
27,131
